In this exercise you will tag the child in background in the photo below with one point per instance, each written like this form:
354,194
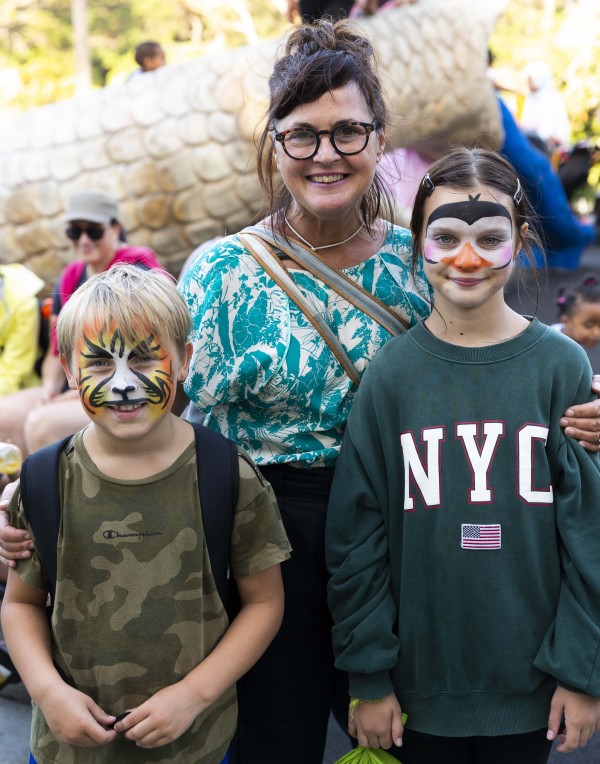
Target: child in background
149,56
463,527
137,624
579,312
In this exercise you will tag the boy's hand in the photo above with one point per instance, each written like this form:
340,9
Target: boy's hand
379,724
582,718
75,719
162,718
14,544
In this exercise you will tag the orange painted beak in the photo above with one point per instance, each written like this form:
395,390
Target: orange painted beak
467,260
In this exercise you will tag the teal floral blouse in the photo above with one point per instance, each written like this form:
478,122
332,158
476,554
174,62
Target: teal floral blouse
261,372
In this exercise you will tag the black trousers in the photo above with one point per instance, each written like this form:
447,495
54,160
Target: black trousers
527,748
285,700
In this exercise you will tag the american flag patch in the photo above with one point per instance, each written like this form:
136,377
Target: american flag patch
480,536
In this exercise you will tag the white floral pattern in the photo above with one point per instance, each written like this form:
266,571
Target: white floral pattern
261,372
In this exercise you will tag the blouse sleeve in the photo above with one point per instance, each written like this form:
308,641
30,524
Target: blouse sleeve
241,325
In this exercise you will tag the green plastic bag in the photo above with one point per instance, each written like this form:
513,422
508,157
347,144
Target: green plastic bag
368,756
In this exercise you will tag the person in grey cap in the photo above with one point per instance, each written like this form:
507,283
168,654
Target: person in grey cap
37,416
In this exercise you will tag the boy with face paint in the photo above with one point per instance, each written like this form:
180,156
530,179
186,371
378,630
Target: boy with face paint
463,527
137,625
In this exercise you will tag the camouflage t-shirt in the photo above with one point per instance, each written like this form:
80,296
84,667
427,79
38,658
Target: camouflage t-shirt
136,604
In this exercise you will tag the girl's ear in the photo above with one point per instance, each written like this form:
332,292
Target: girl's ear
521,238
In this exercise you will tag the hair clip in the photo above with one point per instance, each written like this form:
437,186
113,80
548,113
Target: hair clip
428,184
562,300
518,195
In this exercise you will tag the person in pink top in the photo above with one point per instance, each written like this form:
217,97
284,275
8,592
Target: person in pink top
37,416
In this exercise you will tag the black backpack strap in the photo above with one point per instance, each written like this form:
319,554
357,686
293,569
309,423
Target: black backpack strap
218,486
40,497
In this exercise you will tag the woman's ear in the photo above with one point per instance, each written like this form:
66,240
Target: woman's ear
274,151
380,144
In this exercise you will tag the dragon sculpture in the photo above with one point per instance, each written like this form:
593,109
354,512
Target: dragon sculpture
176,146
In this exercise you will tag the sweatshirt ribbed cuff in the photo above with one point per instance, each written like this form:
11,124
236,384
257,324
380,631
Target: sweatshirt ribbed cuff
371,686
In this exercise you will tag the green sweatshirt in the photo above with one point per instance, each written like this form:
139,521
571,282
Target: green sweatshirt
463,534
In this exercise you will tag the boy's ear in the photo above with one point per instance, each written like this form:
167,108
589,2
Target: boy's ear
185,362
71,379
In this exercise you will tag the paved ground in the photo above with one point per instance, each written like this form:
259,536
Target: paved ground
14,704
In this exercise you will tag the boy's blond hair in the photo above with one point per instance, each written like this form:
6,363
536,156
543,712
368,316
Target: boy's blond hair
138,301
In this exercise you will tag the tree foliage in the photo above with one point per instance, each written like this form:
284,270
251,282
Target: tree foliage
36,41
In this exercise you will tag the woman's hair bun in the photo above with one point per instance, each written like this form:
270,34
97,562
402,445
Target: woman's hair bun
327,35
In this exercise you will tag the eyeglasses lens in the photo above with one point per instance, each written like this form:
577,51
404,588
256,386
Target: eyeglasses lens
94,233
346,139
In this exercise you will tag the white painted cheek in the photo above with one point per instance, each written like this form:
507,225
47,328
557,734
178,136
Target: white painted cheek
124,378
430,252
502,256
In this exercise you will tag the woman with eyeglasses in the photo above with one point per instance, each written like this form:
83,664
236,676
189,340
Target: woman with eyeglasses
37,416
266,377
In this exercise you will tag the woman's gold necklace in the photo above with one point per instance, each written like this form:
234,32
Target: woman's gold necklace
324,246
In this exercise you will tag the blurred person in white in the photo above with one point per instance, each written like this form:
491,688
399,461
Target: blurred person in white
544,112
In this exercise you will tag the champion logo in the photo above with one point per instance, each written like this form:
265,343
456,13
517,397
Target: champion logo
480,536
111,534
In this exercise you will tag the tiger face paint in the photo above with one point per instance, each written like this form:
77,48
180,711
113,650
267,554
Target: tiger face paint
122,378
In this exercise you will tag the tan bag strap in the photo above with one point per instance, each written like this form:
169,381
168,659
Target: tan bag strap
269,261
355,294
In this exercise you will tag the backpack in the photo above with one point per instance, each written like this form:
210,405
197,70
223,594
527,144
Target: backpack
218,484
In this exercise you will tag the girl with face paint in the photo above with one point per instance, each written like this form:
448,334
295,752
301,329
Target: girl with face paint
463,526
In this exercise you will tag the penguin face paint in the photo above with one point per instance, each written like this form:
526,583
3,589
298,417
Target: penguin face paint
121,377
469,235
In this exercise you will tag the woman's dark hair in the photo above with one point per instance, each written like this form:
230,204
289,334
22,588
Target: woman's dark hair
466,168
318,58
569,298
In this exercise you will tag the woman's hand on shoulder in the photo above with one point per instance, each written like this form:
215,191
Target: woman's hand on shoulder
582,422
14,544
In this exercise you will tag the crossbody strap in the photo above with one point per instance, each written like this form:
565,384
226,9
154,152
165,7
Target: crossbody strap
355,294
269,261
